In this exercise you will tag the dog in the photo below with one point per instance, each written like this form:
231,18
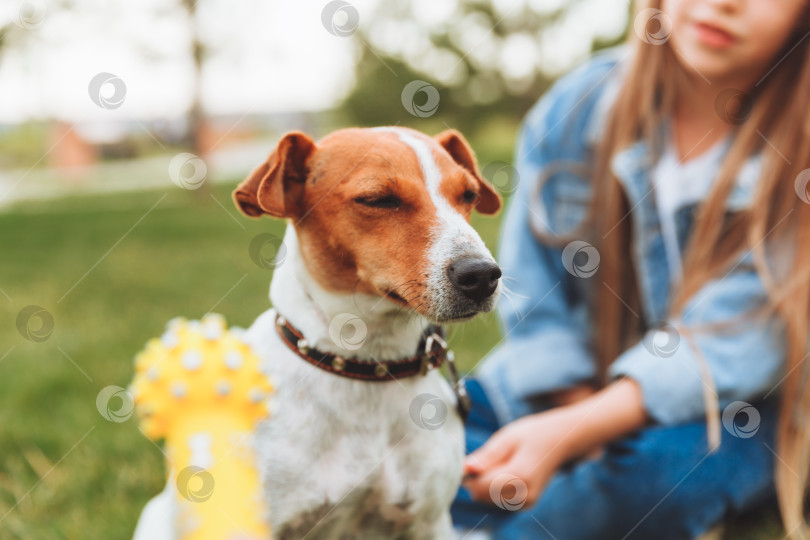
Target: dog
379,252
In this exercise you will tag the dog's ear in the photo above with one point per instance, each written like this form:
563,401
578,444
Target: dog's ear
276,186
451,140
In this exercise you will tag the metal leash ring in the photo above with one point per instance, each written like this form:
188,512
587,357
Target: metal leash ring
463,402
459,388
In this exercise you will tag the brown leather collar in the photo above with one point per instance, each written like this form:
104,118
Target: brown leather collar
432,352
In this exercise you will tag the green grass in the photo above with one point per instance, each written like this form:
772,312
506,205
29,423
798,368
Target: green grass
66,472
182,258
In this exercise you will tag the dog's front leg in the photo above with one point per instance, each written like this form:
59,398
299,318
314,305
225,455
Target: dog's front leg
441,529
158,517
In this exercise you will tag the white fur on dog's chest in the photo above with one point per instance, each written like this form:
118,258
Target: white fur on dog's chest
339,454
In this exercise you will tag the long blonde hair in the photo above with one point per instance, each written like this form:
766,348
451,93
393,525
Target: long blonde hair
778,219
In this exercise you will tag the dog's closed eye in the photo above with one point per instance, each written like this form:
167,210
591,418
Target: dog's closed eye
380,201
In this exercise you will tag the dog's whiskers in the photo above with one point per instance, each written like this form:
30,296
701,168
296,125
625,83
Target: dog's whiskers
510,295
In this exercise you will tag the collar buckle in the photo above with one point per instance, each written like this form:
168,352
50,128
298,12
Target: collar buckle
435,347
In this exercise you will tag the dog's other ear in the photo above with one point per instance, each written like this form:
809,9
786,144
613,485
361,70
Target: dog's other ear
276,186
451,140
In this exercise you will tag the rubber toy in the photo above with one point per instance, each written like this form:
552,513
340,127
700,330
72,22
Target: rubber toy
201,388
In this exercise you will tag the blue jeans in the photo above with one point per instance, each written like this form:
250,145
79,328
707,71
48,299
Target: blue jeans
659,483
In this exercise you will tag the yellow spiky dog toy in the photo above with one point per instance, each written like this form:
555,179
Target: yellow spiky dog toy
201,388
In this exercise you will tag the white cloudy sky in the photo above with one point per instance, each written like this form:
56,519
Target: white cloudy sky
270,55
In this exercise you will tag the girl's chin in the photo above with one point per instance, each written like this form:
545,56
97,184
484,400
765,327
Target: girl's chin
708,64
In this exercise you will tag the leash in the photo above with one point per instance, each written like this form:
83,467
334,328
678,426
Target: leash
432,353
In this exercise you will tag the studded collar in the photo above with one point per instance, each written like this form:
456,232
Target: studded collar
431,353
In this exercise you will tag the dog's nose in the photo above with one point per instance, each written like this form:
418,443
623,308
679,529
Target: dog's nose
476,278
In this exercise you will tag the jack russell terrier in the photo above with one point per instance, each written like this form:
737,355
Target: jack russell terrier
378,242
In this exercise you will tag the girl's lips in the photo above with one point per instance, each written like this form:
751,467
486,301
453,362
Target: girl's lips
713,36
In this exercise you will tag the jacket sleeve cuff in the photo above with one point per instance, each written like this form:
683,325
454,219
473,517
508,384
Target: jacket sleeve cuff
671,385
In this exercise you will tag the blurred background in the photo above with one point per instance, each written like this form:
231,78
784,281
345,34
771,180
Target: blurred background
124,126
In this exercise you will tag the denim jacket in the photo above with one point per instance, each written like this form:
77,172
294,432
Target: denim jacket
545,321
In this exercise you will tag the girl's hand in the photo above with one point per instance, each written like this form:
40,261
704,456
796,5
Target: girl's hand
513,467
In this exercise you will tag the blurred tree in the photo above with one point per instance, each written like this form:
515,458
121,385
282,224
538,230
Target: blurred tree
196,115
484,57
186,14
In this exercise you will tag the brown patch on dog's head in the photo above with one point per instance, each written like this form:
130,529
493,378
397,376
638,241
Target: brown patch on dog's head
361,208
489,202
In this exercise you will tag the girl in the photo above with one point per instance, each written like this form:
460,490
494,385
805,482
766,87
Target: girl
652,379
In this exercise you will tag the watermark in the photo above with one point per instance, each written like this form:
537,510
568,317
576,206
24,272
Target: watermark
580,259
195,484
802,185
267,250
414,88
187,171
751,419
348,331
733,106
27,14
663,340
107,90
428,411
340,18
109,407
35,323
653,26
503,176
509,492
